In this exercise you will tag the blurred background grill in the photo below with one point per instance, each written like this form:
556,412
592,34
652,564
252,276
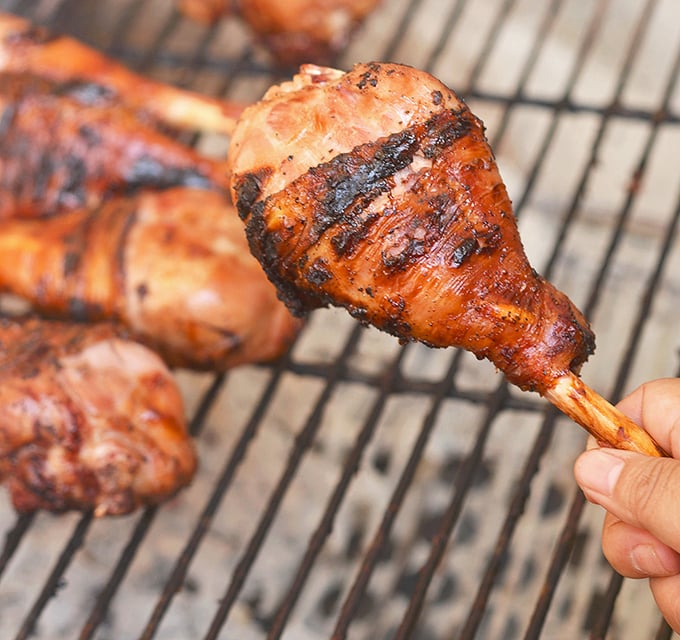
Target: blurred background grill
363,489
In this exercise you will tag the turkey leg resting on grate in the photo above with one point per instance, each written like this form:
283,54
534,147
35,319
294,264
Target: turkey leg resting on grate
88,419
25,48
376,190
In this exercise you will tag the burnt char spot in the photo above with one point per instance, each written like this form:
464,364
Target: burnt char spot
147,171
463,251
337,195
71,263
437,97
82,310
86,93
318,272
72,192
89,135
347,238
31,35
7,118
142,291
479,243
367,78
248,189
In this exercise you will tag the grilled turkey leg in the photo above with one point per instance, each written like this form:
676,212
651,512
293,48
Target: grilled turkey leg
25,48
376,190
294,31
173,266
64,146
88,420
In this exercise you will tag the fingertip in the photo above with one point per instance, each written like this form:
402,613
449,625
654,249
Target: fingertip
597,472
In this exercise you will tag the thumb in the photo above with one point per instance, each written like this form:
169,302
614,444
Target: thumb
640,490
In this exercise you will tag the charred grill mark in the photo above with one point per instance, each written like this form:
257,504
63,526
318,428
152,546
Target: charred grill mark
72,192
359,176
119,273
480,242
71,263
408,248
248,189
33,35
86,93
337,196
442,131
7,118
350,236
42,176
147,171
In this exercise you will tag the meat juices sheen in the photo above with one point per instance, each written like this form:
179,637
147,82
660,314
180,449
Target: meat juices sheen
376,190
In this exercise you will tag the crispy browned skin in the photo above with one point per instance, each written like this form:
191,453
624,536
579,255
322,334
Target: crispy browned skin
173,266
294,31
376,190
88,420
73,144
29,49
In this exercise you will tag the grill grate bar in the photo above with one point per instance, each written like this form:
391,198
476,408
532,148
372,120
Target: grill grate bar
533,56
371,556
566,540
563,549
55,578
13,539
178,574
144,524
325,526
542,440
514,513
645,305
440,542
303,442
497,400
391,381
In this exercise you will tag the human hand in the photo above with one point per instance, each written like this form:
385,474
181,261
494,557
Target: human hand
641,494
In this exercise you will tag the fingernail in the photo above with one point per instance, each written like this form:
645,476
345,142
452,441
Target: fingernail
598,471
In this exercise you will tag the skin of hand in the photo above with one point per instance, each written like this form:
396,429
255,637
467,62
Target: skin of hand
641,494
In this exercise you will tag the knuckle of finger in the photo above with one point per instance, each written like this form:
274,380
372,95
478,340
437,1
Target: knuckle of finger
650,488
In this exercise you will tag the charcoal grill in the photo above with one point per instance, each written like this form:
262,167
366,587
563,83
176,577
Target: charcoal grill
362,489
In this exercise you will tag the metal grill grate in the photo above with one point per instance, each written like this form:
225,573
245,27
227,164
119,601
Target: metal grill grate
362,489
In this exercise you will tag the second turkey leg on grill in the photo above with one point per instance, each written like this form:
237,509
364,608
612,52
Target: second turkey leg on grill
173,266
294,31
26,48
63,146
